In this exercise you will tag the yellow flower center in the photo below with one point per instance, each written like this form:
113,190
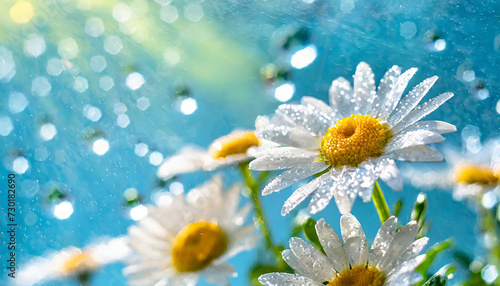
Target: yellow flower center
353,140
197,245
233,144
360,275
474,174
77,263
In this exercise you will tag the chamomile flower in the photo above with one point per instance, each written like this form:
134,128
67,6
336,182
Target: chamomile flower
190,236
72,262
469,174
351,142
225,151
390,261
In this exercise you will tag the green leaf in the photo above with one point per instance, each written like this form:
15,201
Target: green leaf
380,203
398,205
310,233
440,278
419,211
431,255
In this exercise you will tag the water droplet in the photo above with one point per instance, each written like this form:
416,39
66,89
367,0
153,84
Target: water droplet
34,46
123,120
440,45
8,67
5,125
284,92
80,84
176,188
98,63
172,56
155,158
40,86
143,103
106,83
169,14
303,58
122,12
188,106
119,108
113,45
141,149
68,48
48,131
54,67
193,12
20,165
41,154
21,12
63,210
94,27
17,102
29,188
408,30
92,113
139,212
101,146
134,80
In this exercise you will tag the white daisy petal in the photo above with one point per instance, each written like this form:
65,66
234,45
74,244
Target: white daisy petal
364,88
410,253
283,158
381,242
188,159
344,199
293,261
301,194
219,274
407,266
385,91
291,176
354,240
440,127
290,136
321,198
341,95
332,245
390,175
313,259
411,100
280,279
327,110
405,279
422,110
310,119
418,153
401,240
401,84
412,138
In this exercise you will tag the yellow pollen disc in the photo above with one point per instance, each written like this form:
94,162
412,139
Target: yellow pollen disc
233,144
354,139
197,245
21,12
78,262
474,174
361,275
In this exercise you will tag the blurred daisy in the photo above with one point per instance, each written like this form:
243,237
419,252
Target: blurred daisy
225,151
72,262
351,142
190,236
471,175
391,260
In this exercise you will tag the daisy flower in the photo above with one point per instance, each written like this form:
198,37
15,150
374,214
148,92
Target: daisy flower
471,174
190,236
351,142
391,260
72,262
225,151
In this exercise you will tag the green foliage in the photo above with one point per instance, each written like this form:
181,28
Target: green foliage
310,233
398,206
419,212
431,255
440,278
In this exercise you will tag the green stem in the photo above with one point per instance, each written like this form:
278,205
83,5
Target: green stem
380,204
259,212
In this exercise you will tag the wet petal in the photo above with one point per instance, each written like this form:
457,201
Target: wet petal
282,158
301,193
332,245
312,259
382,241
364,87
418,153
290,136
400,87
354,239
280,279
390,175
291,176
308,118
341,96
385,91
440,127
412,138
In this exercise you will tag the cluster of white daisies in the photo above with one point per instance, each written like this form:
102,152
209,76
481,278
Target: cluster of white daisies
345,145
